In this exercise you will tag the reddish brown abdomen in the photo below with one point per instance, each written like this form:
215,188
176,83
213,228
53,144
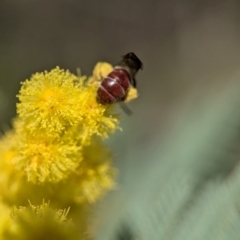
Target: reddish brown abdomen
114,87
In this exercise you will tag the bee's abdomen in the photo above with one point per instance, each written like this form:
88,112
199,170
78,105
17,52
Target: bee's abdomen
114,87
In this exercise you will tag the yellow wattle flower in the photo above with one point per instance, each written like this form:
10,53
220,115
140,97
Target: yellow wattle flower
39,158
97,119
40,222
49,101
48,159
94,176
55,101
90,180
5,219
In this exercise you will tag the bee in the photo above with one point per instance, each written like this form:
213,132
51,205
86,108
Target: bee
114,88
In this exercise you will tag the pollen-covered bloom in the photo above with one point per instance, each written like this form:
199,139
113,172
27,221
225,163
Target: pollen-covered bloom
40,222
5,219
49,101
55,101
92,177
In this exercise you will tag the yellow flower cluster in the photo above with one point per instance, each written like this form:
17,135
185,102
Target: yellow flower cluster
86,184
55,152
39,222
58,117
53,103
55,140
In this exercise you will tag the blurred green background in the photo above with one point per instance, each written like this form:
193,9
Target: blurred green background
191,56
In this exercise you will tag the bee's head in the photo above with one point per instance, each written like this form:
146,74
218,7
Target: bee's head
132,61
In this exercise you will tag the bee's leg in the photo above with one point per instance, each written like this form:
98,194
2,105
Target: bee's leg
125,108
134,82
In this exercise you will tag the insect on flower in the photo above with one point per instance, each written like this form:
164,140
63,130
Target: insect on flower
114,88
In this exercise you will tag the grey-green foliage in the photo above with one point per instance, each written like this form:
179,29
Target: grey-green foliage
160,217
183,191
196,208
215,215
185,205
